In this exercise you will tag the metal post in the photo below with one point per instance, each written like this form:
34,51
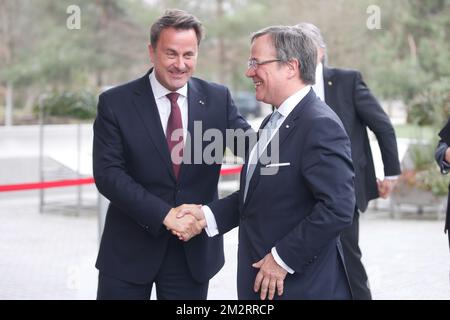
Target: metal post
9,104
79,191
41,150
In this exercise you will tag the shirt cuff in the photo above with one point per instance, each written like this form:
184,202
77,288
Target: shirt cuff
211,224
391,177
280,262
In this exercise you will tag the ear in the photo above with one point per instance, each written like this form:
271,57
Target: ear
320,54
293,68
151,53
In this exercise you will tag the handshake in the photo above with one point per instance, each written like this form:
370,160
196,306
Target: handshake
185,221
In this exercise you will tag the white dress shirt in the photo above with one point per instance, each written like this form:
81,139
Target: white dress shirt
285,109
318,87
163,103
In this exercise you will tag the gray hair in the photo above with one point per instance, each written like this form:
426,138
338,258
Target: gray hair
291,43
178,19
315,35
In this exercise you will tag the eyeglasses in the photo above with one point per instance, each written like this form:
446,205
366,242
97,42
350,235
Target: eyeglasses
253,64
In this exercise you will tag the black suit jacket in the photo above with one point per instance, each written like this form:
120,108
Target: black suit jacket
301,209
347,94
132,168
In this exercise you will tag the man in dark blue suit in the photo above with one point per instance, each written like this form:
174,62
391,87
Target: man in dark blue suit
296,191
347,94
142,132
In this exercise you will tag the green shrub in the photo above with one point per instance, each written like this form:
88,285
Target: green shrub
431,106
74,105
428,176
432,180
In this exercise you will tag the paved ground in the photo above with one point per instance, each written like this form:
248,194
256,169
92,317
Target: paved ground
52,255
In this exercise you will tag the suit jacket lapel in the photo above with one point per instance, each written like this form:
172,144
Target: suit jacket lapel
145,104
196,112
243,176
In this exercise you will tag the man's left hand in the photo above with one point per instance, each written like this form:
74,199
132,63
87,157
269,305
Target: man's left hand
385,187
269,278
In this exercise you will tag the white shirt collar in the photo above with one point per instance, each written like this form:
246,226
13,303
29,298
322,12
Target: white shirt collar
318,87
319,71
290,103
160,91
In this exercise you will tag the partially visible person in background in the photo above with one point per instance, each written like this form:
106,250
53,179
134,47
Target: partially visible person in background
347,94
442,155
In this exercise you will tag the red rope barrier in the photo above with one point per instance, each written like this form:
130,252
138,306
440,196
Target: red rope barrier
45,185
230,171
77,182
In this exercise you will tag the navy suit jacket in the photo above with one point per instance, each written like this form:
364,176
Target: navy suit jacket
348,96
300,210
132,168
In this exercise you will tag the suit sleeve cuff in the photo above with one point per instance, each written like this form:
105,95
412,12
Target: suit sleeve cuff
445,165
280,261
211,224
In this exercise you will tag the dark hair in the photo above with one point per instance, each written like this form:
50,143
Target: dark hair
293,43
178,19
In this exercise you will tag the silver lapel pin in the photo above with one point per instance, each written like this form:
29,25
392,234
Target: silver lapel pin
287,126
330,83
201,102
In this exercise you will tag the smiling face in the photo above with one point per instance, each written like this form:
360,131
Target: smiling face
175,57
269,78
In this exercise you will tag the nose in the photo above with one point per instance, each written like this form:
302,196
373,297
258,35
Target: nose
250,72
180,63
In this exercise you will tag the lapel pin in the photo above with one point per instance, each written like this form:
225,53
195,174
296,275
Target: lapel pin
330,83
287,126
201,102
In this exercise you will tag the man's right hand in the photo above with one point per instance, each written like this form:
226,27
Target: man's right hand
193,210
447,155
184,225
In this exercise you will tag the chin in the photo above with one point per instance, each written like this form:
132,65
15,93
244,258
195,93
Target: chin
259,96
178,83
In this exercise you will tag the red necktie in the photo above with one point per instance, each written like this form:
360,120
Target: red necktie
173,124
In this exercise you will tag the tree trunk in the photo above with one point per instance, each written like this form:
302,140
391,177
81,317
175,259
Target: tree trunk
9,104
221,45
